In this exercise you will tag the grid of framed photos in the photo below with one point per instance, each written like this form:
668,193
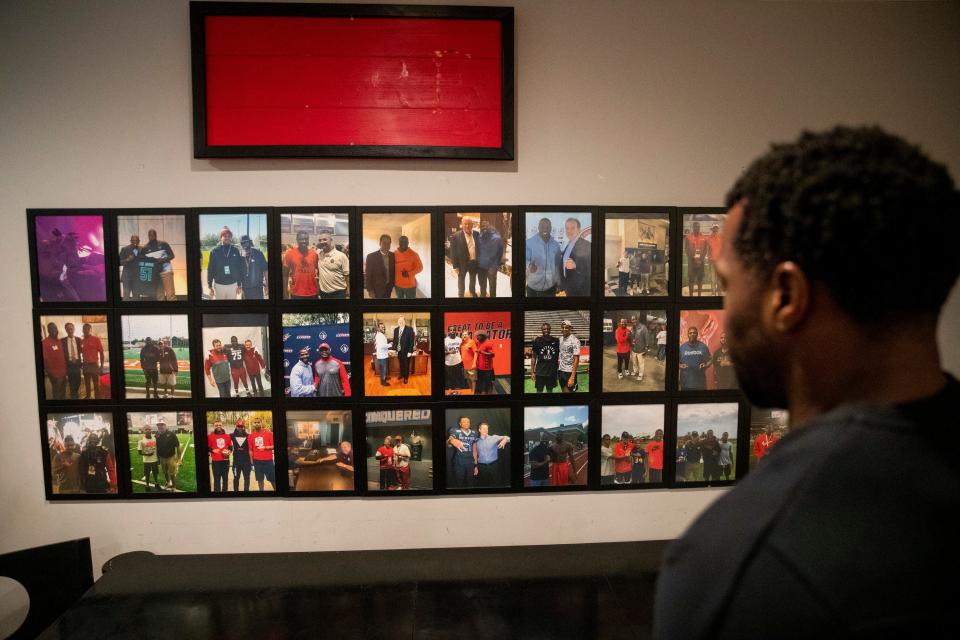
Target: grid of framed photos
330,351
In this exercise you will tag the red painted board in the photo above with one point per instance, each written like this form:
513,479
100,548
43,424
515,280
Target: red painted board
353,81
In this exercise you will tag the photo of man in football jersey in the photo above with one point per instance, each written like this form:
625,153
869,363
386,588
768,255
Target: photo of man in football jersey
237,361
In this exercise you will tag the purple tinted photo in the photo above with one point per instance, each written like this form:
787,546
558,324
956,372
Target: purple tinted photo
70,258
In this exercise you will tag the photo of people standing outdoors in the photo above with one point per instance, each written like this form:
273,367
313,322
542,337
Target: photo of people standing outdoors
767,428
316,263
156,356
83,456
396,250
236,355
631,448
70,258
634,350
556,351
476,353
478,254
477,448
320,454
705,362
162,455
152,257
241,451
558,254
706,442
555,445
636,254
702,243
233,256
75,351
316,355
396,347
399,450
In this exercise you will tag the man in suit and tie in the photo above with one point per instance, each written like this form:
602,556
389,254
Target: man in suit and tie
463,255
379,270
72,354
404,341
575,261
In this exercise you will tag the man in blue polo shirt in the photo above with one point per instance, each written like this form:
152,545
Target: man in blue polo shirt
463,467
486,453
694,359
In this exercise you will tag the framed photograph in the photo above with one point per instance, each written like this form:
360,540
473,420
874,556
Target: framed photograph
70,258
556,351
397,347
478,254
315,255
636,254
162,455
397,260
316,355
477,448
634,350
75,355
236,355
555,445
476,353
559,253
767,427
631,447
83,455
320,450
352,80
705,363
156,356
702,243
240,445
707,441
399,449
152,259
234,256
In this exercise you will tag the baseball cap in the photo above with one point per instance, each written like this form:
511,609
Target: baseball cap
323,345
624,435
239,422
226,232
245,240
566,323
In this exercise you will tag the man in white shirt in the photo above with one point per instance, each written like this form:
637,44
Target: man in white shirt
623,274
401,453
382,346
453,363
607,466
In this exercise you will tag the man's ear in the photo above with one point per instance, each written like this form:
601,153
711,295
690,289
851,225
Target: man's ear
788,297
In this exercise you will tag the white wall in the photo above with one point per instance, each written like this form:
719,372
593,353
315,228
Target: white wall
619,102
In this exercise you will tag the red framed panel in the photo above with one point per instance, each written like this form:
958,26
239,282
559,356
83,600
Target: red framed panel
319,80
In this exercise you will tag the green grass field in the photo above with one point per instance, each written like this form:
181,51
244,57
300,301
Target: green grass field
583,382
134,378
186,479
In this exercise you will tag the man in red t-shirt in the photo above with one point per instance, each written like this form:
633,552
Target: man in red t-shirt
624,338
54,362
300,270
219,446
623,459
261,447
766,440
695,248
91,358
388,468
714,247
485,356
468,355
655,457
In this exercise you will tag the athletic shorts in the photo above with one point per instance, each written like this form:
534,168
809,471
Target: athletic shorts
263,469
168,379
559,474
545,382
471,374
238,374
563,377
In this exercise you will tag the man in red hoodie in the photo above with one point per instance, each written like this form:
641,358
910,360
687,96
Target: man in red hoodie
54,362
253,362
624,337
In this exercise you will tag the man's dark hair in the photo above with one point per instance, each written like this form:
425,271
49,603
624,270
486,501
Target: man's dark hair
859,210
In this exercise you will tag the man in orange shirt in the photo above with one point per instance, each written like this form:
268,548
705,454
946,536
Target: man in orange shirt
54,362
714,247
624,339
655,457
695,246
300,270
766,440
408,265
468,354
623,459
92,360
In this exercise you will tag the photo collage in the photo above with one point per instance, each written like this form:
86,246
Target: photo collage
385,333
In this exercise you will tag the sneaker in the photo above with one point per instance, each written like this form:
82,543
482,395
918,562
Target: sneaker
386,384
620,376
639,378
